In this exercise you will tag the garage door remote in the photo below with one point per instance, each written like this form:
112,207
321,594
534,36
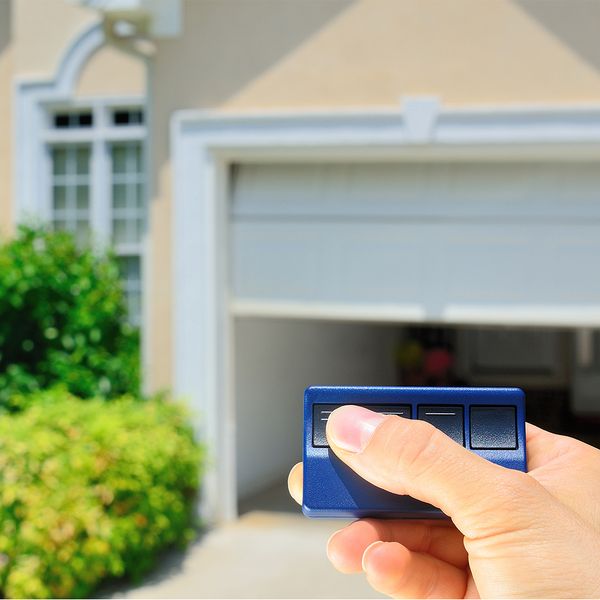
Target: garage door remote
487,421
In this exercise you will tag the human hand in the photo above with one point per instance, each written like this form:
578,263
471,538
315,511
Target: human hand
512,534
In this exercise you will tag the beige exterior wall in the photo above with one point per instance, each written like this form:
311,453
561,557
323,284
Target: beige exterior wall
112,72
244,55
5,118
42,31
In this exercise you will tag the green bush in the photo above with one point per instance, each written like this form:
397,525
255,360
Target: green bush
91,490
62,320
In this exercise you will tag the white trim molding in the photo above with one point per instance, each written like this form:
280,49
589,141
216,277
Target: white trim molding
205,144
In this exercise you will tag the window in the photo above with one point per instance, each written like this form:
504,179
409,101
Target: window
97,184
128,217
132,283
71,190
124,117
128,209
73,120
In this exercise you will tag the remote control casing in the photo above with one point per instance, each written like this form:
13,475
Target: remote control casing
333,490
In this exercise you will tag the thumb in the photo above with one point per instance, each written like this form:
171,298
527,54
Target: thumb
406,456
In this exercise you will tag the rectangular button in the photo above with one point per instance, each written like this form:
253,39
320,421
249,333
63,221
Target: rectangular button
321,414
493,427
448,419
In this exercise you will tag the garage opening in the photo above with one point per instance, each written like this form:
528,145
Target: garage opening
276,359
328,258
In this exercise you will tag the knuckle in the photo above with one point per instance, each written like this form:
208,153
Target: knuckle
514,486
508,510
511,491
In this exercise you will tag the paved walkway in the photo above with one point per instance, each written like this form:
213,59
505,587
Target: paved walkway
262,555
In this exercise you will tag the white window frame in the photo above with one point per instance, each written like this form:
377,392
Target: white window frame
100,137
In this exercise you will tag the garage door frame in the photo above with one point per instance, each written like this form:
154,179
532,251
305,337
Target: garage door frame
205,144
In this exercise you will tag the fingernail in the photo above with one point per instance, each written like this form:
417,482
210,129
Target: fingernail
351,427
367,551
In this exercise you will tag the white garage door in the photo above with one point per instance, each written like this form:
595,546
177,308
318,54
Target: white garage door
455,242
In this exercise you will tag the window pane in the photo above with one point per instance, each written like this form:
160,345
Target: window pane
119,154
71,189
127,192
125,116
129,267
139,195
85,120
73,120
61,121
121,117
59,161
83,200
82,162
139,230
120,231
137,157
82,232
59,197
134,301
119,195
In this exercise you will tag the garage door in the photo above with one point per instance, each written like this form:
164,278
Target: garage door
515,243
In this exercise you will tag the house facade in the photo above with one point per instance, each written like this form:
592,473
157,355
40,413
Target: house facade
299,188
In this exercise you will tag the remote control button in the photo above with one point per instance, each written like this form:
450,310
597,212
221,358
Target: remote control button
448,419
321,414
493,427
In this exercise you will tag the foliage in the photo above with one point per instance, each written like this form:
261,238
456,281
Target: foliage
90,490
62,319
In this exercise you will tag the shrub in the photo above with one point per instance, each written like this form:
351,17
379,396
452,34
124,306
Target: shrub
62,319
91,490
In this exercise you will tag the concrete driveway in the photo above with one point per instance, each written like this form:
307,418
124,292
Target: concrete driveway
263,554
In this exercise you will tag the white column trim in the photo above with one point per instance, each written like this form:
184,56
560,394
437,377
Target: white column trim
204,144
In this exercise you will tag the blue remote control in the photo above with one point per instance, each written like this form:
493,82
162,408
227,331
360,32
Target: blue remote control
487,421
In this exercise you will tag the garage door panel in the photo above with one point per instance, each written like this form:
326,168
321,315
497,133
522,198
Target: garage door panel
524,264
535,191
325,262
326,240
430,265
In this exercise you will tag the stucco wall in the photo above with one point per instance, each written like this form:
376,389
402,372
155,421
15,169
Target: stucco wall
5,118
112,72
238,55
42,30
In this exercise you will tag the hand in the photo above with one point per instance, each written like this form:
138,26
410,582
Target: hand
512,534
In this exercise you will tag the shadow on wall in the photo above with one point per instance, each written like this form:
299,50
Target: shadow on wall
575,23
247,46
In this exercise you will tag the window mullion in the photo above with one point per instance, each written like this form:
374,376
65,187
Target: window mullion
47,184
100,192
